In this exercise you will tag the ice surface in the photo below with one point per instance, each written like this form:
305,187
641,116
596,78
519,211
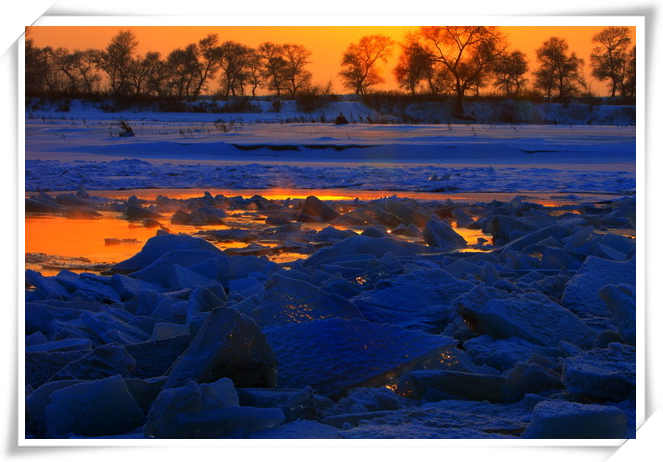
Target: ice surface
299,429
606,374
69,344
295,403
620,300
532,317
563,419
503,354
435,385
439,234
316,210
289,300
49,287
582,291
105,361
110,175
442,419
154,357
332,355
160,245
420,298
206,411
228,344
101,407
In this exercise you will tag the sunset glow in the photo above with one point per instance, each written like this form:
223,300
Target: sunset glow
326,43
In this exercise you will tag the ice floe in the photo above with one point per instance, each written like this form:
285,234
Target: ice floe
424,332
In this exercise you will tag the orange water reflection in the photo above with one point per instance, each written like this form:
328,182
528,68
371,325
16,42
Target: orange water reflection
472,236
543,198
57,235
87,238
110,239
76,238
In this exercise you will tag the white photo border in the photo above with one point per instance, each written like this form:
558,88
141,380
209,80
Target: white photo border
318,20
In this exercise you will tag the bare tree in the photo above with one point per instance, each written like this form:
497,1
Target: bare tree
210,60
467,52
558,71
158,77
414,65
140,71
36,69
296,77
86,67
77,69
115,60
234,57
629,80
440,81
254,70
52,78
509,70
183,70
609,57
64,63
360,61
274,66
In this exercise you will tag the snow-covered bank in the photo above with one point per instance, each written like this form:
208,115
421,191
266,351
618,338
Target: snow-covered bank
62,155
262,110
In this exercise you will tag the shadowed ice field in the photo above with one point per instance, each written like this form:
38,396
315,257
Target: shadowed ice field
209,279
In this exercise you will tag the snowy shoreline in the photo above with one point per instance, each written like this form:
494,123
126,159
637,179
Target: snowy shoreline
181,153
505,112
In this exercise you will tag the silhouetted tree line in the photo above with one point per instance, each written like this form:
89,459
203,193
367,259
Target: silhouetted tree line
439,61
184,73
455,60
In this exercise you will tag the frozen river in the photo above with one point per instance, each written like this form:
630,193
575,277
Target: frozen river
63,154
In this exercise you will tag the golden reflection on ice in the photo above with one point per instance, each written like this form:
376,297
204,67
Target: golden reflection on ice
340,194
110,238
360,280
448,359
391,387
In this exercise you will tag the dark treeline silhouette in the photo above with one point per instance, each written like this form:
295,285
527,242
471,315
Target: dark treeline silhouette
185,73
455,60
439,61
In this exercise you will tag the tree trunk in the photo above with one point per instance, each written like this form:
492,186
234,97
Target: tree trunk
460,93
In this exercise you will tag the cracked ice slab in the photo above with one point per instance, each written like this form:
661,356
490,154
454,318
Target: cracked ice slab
333,355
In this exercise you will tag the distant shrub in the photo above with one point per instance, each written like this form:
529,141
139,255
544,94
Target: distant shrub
508,112
205,107
395,102
171,105
276,105
314,98
63,105
340,120
33,104
239,104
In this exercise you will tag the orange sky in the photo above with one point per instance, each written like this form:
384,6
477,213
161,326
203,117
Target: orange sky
326,43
